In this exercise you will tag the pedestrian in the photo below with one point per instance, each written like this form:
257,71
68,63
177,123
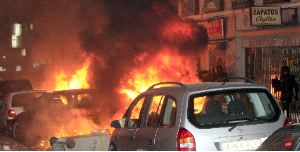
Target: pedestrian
289,89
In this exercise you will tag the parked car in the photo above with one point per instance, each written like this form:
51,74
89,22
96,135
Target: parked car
46,112
204,116
13,105
286,138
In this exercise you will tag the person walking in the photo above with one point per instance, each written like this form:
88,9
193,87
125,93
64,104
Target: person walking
289,89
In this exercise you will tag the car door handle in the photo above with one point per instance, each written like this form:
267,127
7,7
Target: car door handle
151,141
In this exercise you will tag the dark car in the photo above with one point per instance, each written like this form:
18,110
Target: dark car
284,139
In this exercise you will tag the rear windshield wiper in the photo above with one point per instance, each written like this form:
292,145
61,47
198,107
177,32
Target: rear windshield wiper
237,123
241,122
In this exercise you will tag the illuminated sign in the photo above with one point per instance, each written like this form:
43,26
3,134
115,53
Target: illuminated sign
215,28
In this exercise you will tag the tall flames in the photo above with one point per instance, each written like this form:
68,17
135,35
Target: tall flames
167,65
78,80
65,80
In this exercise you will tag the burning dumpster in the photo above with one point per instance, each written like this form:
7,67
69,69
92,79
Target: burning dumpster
98,141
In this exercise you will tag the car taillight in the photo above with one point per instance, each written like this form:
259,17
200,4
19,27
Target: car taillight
288,144
287,122
185,140
12,113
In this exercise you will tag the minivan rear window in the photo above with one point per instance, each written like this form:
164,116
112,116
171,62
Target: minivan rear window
229,107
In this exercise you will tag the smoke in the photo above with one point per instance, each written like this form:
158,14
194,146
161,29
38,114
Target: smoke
115,31
133,28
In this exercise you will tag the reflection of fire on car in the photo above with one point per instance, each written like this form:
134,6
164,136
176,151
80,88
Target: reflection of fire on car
13,106
206,116
285,138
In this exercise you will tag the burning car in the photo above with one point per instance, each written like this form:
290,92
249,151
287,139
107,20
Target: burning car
78,100
57,113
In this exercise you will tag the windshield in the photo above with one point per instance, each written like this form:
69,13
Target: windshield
230,107
74,99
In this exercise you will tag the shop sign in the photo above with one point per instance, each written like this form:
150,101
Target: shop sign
265,15
215,28
240,4
213,5
272,41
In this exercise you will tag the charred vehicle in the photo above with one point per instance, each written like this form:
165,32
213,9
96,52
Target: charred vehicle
56,113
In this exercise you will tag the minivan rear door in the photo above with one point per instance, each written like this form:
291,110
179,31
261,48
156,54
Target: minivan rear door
233,118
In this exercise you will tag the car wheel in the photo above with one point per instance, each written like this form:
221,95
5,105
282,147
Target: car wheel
112,147
18,131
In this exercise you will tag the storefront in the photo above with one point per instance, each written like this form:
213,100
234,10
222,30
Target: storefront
217,49
266,51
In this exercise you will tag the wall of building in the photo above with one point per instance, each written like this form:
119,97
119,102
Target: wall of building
237,28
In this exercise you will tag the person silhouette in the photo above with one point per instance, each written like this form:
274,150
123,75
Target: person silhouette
289,89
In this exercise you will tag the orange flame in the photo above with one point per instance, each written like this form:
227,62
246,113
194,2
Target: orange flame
78,80
65,80
167,65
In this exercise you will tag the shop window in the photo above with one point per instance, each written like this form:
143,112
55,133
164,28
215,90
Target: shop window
289,16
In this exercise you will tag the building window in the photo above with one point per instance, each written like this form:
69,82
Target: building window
23,52
18,68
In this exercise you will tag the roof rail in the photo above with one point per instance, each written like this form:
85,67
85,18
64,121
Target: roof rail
226,79
162,83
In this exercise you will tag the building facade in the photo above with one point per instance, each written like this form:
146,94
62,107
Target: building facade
15,52
249,38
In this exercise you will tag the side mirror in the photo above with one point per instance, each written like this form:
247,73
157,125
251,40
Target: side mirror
115,124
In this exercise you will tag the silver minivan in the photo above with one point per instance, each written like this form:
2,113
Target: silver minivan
204,116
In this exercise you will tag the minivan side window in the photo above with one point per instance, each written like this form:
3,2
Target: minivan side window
169,114
134,117
154,111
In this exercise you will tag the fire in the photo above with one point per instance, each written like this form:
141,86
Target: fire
276,94
167,65
78,80
64,80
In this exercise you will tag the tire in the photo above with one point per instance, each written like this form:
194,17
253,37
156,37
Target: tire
112,147
18,132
